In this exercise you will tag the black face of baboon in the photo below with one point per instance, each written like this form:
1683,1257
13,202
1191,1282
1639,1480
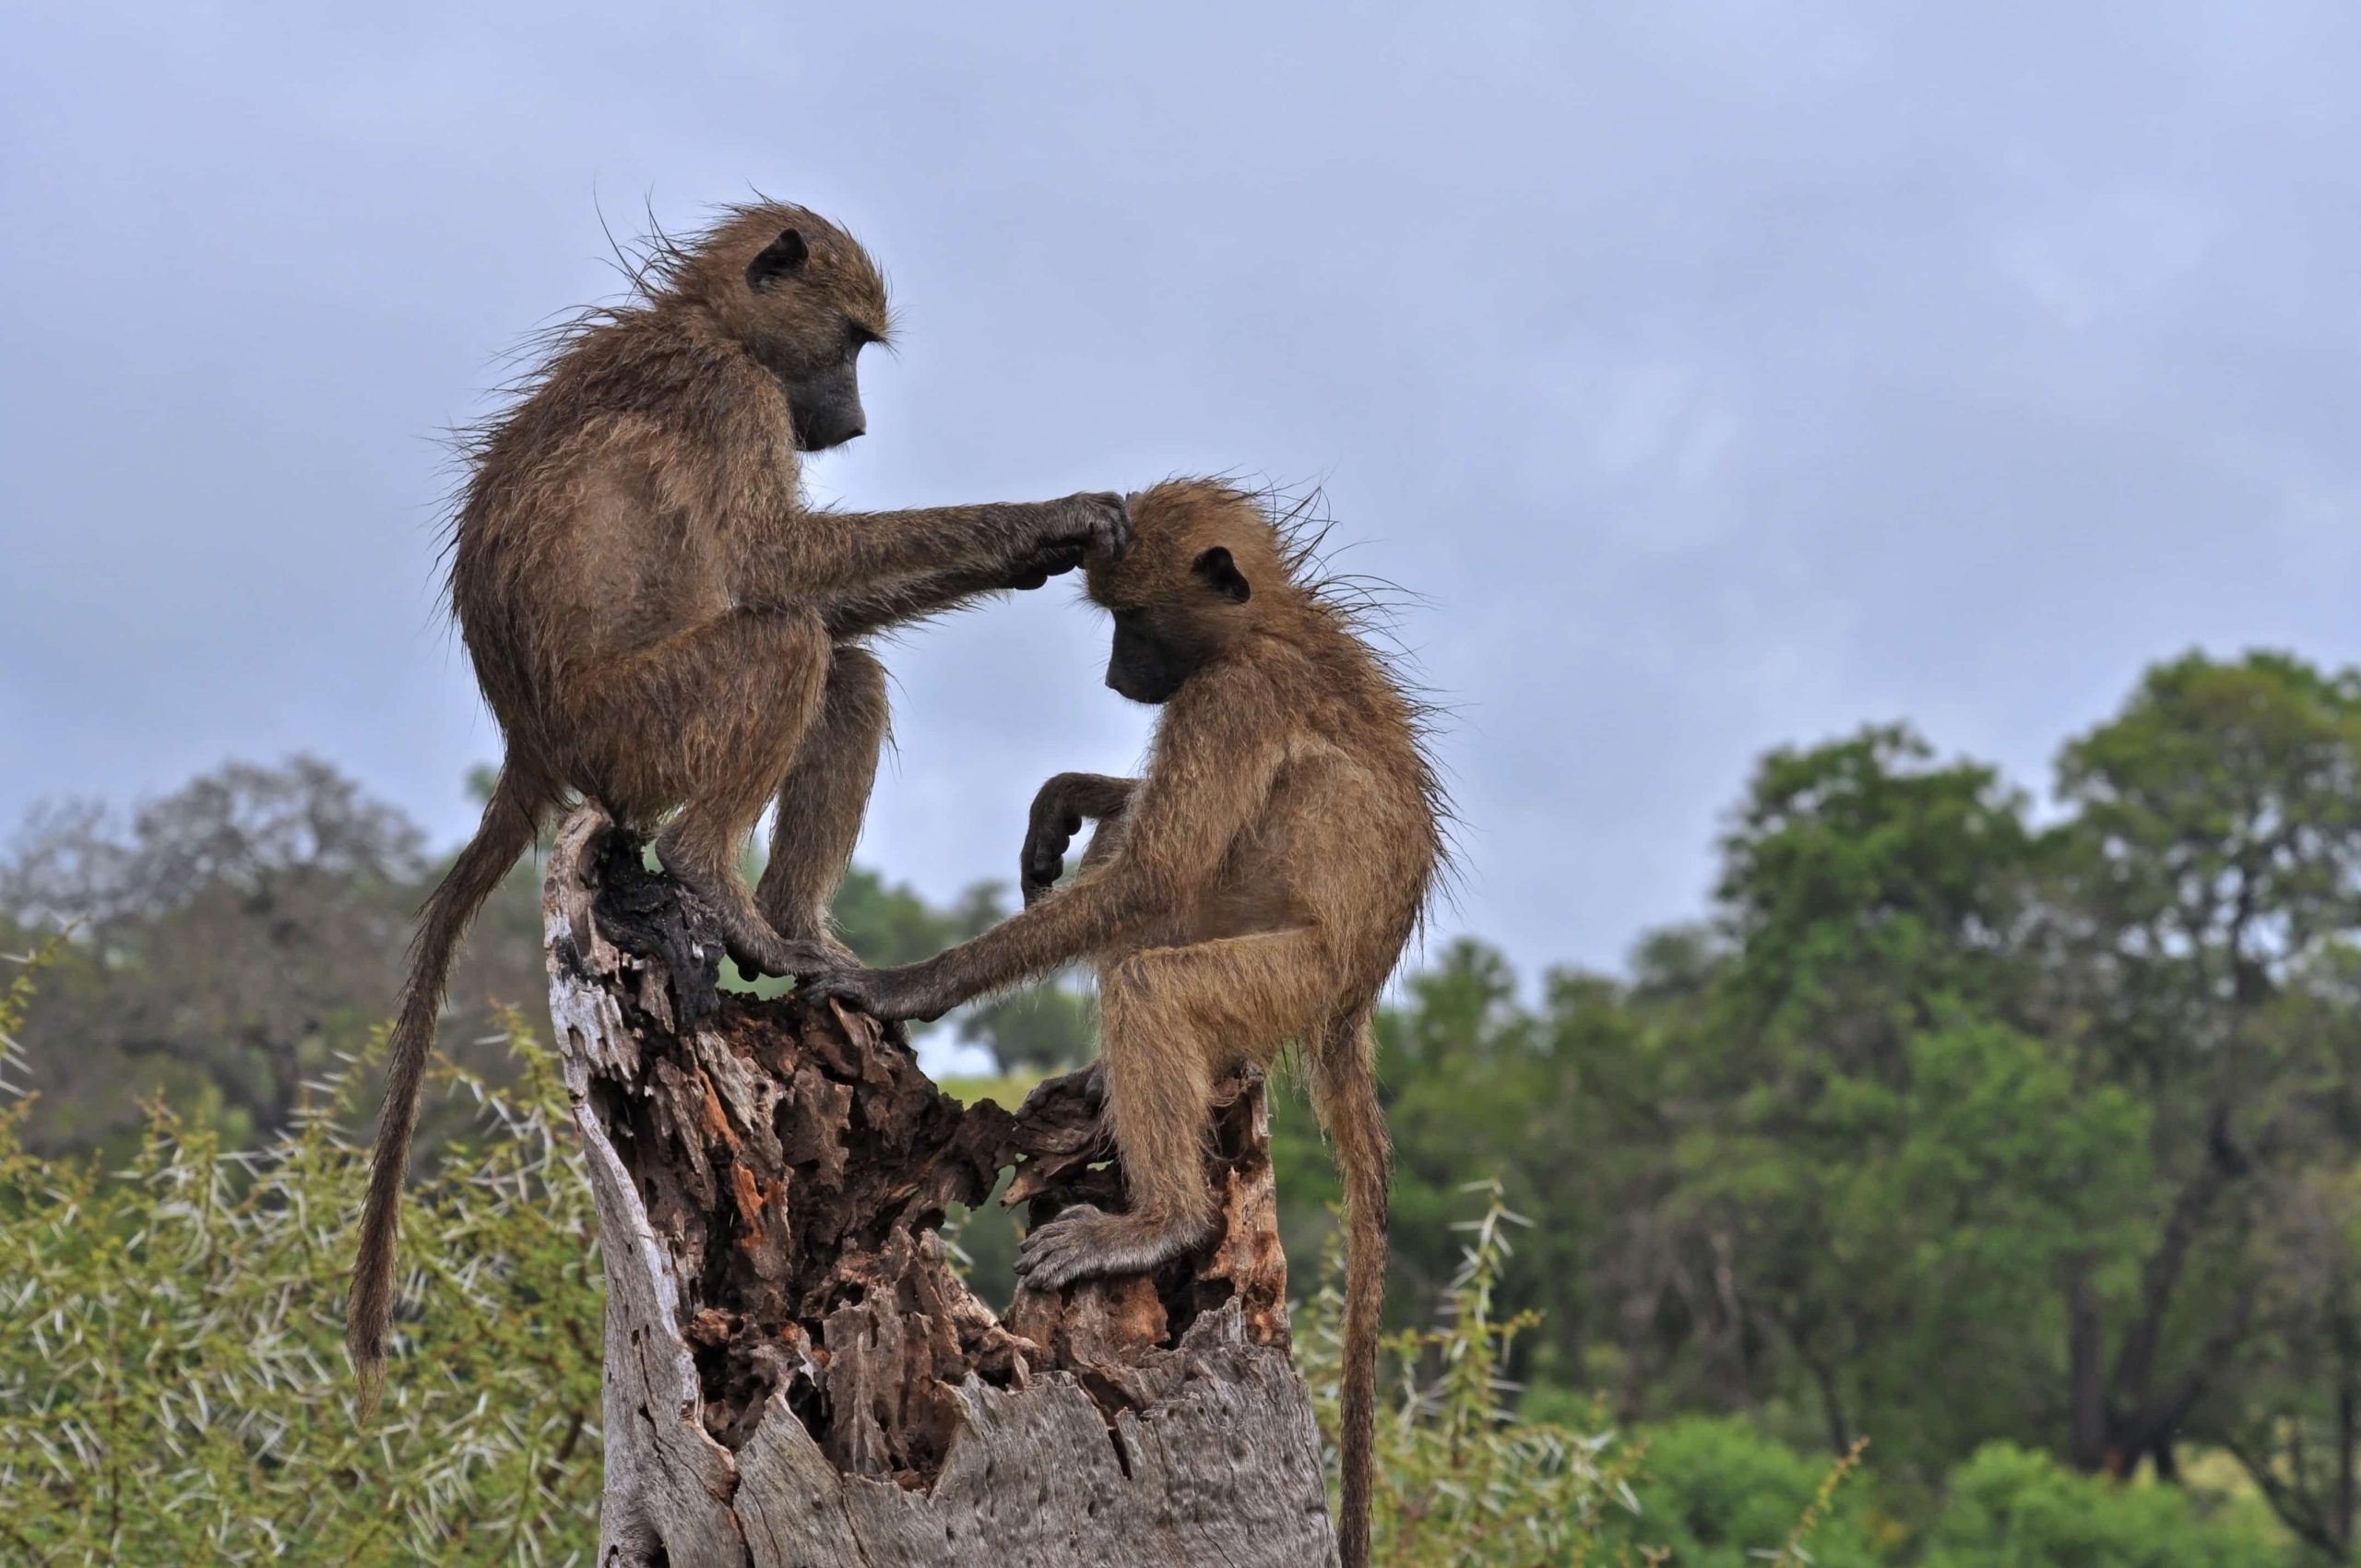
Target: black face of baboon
1158,647
826,406
1143,666
809,328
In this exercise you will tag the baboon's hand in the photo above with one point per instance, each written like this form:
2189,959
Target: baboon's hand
1099,520
1049,561
1047,832
887,995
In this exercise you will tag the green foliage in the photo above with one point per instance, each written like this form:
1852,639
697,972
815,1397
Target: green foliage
2013,1508
986,1236
172,1387
1466,1480
1863,883
1715,1494
1946,1130
231,939
1861,1021
172,1382
890,923
2205,898
1460,1479
1940,1128
2228,792
1041,1029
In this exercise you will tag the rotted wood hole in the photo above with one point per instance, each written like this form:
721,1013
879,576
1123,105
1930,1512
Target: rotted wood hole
797,1377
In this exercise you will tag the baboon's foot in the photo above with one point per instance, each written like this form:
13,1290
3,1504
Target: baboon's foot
1083,1244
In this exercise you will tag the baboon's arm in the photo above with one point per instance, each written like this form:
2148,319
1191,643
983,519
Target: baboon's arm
899,603
1214,765
1086,795
896,604
826,559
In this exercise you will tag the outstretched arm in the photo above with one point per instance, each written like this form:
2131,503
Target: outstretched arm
915,599
1208,783
828,560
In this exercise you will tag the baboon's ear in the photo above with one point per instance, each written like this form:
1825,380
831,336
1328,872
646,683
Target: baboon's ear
1221,575
779,258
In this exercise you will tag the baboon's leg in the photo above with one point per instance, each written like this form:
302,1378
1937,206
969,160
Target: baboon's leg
731,701
823,800
1170,1019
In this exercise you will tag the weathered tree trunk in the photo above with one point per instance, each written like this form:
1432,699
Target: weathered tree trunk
795,1377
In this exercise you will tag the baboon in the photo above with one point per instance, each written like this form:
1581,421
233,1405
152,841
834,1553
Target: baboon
661,625
1256,888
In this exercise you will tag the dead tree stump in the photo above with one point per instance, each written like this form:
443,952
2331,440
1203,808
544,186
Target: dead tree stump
795,1376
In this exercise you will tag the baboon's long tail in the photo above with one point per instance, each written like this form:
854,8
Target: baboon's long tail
510,820
1348,1086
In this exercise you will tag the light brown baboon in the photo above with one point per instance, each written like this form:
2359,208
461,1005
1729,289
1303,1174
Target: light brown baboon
661,625
1255,888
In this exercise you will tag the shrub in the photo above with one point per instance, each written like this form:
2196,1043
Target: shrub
1464,1482
2013,1508
1716,1493
1460,1480
172,1379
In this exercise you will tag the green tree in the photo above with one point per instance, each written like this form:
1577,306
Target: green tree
1868,896
233,938
2209,873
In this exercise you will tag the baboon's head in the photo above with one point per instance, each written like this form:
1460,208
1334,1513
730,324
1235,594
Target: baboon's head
1204,568
805,299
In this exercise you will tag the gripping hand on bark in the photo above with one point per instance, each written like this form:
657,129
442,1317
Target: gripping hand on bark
890,996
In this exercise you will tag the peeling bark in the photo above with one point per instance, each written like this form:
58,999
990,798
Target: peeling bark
796,1378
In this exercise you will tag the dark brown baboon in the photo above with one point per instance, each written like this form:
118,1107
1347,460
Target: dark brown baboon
1255,888
661,625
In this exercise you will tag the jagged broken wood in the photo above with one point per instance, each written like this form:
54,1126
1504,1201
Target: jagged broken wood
795,1375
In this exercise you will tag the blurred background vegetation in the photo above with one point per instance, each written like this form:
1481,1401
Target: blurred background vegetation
2021,1141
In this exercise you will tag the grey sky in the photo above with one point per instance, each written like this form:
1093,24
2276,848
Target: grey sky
1723,374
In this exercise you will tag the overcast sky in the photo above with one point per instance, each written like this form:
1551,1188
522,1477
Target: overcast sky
1722,375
